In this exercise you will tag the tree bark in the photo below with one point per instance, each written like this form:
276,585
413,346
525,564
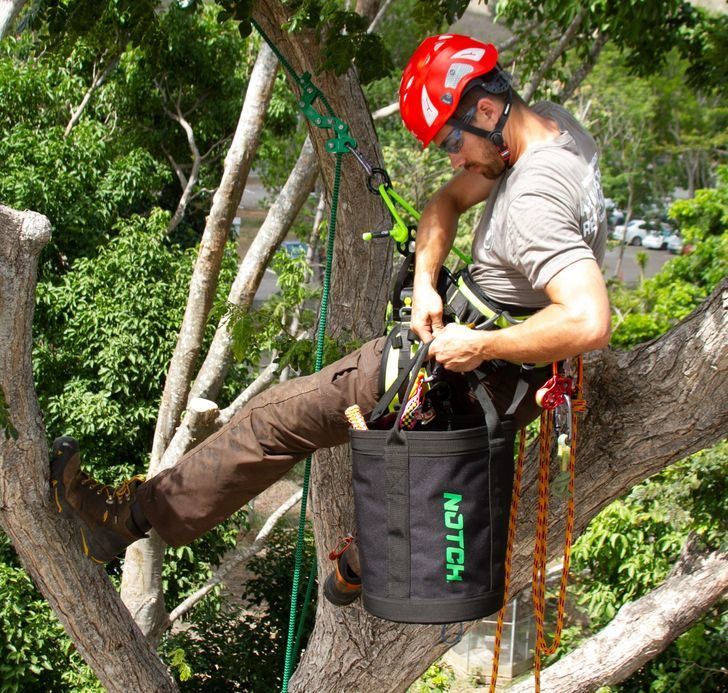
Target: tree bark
79,591
641,630
141,585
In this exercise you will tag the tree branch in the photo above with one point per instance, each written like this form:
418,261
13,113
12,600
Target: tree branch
580,75
144,558
194,173
555,54
48,546
277,223
235,559
386,111
378,16
96,82
642,629
207,267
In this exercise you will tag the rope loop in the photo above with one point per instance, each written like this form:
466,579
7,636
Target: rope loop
540,552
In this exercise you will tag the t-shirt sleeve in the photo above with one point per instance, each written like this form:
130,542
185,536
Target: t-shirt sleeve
543,237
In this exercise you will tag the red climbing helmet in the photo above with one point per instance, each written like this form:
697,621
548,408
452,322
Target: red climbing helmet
436,77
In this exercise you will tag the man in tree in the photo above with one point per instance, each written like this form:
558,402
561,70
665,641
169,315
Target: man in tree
536,252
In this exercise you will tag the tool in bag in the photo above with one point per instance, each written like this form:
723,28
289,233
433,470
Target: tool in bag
343,584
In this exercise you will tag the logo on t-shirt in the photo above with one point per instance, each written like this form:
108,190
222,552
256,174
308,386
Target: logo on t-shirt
592,211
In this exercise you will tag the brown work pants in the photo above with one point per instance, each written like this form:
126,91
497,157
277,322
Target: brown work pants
276,429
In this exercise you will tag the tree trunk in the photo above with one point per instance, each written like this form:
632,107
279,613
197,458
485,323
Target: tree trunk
78,590
641,630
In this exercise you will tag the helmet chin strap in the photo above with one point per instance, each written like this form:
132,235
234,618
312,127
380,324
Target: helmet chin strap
496,135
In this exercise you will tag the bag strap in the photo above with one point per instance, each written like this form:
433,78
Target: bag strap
403,377
409,374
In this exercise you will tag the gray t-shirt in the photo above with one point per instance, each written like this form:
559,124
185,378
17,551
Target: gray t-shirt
543,214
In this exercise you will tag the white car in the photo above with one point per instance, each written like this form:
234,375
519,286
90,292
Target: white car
636,232
675,243
654,240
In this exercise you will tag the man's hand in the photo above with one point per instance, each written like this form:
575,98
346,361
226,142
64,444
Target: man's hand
426,312
458,348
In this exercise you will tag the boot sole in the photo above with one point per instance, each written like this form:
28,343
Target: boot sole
336,597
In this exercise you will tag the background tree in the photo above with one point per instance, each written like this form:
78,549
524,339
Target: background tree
384,643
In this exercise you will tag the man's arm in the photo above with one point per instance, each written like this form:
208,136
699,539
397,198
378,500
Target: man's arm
577,321
435,236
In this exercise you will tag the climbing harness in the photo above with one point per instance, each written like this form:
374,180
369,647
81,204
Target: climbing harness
564,391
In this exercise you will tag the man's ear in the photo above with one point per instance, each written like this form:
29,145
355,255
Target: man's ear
489,113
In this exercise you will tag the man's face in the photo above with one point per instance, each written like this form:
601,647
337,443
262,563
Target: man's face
471,152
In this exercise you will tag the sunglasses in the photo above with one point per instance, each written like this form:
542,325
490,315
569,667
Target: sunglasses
453,143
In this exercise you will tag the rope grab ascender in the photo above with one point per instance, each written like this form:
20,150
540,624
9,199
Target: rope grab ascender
560,397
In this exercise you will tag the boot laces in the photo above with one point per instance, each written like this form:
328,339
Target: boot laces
118,494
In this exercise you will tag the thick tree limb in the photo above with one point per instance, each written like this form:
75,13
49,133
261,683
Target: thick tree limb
207,267
78,591
641,629
235,559
141,584
555,54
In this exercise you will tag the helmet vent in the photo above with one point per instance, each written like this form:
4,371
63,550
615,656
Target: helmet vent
474,54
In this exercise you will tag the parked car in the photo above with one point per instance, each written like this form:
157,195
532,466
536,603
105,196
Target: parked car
657,238
675,244
294,248
636,231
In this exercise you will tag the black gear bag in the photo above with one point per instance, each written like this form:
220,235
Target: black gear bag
432,509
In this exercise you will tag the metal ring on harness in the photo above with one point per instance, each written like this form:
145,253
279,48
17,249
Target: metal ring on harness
384,179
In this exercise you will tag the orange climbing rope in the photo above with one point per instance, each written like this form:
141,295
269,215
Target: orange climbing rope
572,388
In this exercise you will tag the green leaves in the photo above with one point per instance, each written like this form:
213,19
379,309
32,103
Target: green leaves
237,646
684,281
35,653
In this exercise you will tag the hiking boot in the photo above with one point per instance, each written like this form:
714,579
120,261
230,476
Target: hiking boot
110,519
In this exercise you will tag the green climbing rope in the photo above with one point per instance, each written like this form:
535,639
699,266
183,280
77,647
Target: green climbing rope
340,144
291,645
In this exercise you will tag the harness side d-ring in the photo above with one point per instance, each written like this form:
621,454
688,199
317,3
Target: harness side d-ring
377,177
